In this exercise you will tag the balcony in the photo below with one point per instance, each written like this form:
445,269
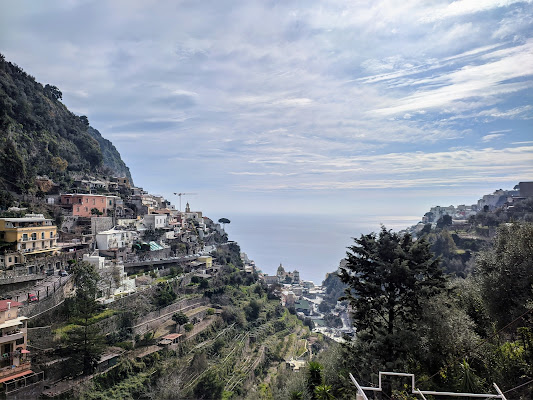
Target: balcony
8,371
12,336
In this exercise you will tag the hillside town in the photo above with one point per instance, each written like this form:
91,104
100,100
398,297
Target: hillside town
460,214
136,241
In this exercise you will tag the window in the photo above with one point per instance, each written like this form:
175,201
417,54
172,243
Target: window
94,201
77,209
51,234
42,235
24,236
86,200
80,200
86,209
33,236
19,341
9,259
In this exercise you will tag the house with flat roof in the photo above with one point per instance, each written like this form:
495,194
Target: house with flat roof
31,234
15,365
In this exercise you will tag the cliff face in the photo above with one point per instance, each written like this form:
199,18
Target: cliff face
111,156
40,136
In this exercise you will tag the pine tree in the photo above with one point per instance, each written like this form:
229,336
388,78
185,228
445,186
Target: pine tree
389,278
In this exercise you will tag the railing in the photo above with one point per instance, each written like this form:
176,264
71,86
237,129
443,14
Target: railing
11,336
7,371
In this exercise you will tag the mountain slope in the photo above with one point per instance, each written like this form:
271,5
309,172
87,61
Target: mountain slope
40,136
111,156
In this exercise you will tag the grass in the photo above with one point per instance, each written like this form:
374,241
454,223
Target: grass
62,331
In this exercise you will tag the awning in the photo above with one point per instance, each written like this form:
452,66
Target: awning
25,351
8,378
12,322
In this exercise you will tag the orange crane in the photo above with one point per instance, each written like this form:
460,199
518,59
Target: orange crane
183,194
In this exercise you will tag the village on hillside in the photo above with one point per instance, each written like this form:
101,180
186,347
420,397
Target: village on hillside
138,242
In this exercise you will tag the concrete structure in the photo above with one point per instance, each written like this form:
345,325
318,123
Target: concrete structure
271,279
208,260
155,221
30,235
113,281
114,239
525,189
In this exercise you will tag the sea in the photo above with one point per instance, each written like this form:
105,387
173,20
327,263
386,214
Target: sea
312,244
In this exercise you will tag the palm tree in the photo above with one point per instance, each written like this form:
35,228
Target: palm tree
323,392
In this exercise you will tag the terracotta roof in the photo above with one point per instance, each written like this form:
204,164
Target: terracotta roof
8,378
172,336
3,304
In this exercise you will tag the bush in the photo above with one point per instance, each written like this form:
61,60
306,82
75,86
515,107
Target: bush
125,345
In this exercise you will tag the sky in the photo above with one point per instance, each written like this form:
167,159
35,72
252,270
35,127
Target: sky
374,108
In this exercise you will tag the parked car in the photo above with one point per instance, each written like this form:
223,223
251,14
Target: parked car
63,273
32,298
49,272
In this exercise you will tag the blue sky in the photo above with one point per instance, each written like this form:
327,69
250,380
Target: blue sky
380,108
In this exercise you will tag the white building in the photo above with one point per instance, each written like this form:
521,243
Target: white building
114,239
113,281
155,221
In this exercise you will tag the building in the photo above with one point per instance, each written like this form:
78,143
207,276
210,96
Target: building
155,221
10,259
113,280
271,279
525,189
114,239
84,205
32,234
208,260
15,366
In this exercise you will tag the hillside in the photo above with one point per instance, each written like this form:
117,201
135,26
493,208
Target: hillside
111,156
40,136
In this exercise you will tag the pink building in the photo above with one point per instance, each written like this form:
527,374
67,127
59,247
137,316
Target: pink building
83,204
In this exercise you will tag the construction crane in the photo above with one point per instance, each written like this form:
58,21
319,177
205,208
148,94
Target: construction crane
182,194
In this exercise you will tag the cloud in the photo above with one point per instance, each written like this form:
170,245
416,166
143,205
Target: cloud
296,94
465,7
488,138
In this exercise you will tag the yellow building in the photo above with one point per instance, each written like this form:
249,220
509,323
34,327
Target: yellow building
208,260
31,234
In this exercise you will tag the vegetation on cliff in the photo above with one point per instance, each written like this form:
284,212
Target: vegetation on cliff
40,136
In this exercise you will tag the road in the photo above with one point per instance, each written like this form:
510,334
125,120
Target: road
39,289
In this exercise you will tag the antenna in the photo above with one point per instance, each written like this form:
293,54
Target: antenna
182,194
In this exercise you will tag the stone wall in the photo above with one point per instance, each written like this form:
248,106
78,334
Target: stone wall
152,320
48,303
100,224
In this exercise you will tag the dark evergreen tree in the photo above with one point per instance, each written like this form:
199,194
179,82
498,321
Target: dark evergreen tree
389,278
84,343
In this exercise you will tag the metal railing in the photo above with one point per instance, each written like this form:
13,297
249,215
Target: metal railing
414,390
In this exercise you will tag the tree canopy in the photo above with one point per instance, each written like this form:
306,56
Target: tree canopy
388,277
